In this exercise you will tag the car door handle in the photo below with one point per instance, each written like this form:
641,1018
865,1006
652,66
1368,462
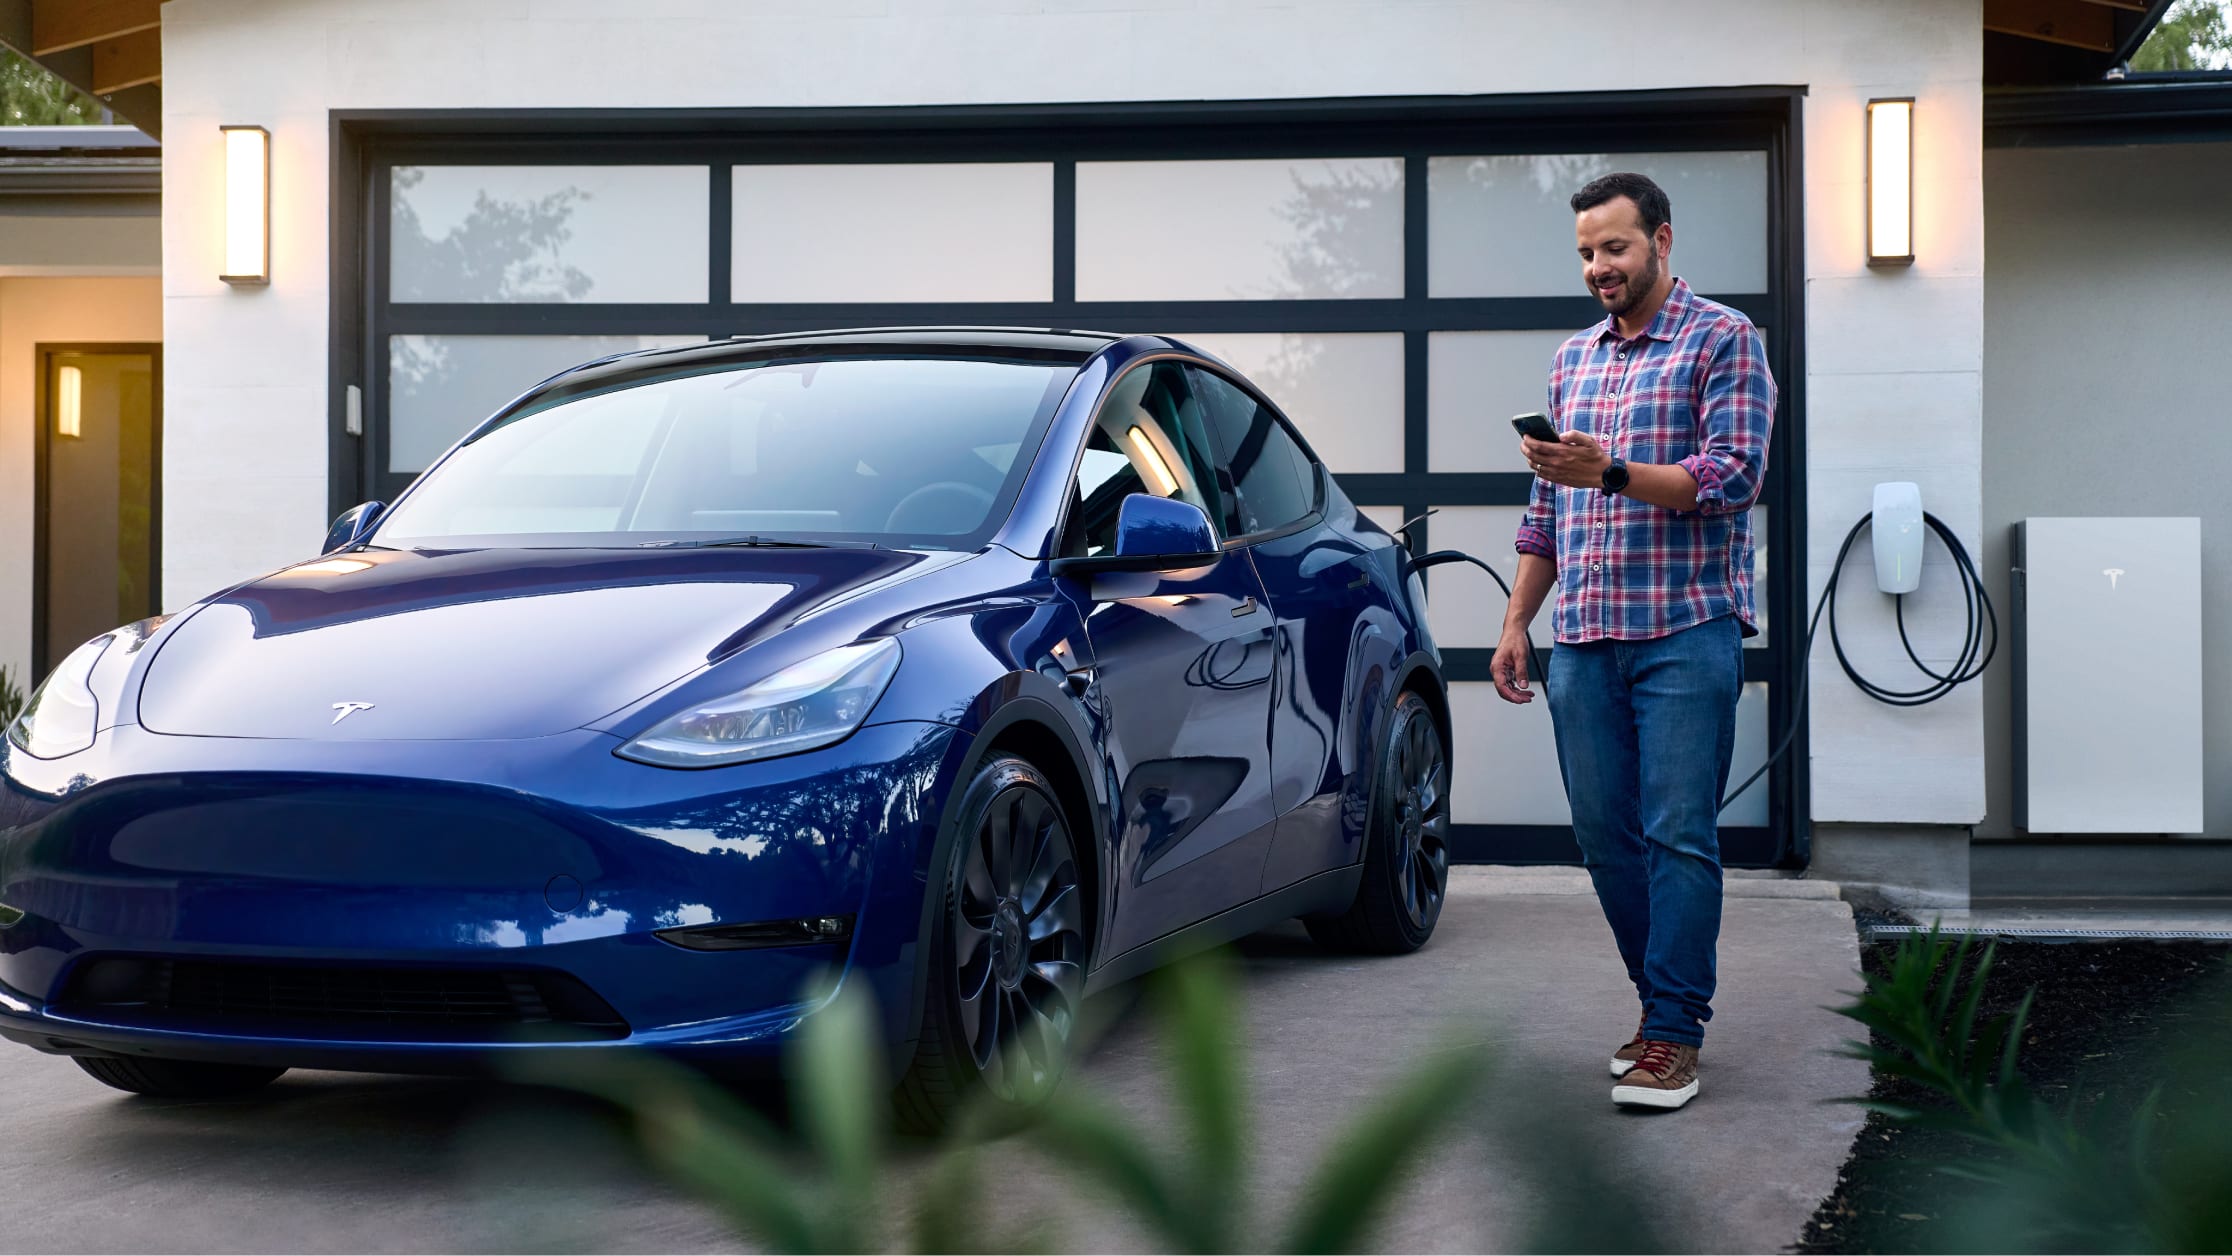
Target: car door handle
1247,607
1078,681
1363,578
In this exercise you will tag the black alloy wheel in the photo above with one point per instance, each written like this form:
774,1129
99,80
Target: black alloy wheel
1406,844
1008,974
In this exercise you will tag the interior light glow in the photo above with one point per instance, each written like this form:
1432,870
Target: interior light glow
1154,460
247,205
69,402
1890,182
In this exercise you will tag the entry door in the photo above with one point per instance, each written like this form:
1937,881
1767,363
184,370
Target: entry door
98,531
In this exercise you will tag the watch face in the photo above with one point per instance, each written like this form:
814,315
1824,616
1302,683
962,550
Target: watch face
1616,476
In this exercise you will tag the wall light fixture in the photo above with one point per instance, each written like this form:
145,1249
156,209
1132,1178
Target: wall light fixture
1891,182
247,205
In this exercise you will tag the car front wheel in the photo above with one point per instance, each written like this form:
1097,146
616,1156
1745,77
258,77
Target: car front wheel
1007,969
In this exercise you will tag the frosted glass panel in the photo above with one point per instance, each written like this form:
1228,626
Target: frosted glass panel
548,233
1344,391
1506,762
1463,606
931,232
1505,769
1759,579
1239,230
1751,751
1475,382
440,386
1501,226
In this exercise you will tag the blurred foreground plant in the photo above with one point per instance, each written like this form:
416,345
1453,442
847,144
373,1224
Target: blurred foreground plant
2053,1180
842,1194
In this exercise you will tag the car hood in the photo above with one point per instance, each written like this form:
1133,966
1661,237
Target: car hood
404,644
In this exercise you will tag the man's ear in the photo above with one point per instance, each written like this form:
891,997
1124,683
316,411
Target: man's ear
1662,240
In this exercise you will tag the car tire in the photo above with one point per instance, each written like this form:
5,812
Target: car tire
177,1079
1008,952
1406,843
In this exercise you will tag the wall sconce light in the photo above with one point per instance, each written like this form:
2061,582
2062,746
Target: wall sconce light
69,402
1891,182
247,205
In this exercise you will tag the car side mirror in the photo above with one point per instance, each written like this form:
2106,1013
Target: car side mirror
352,525
1153,534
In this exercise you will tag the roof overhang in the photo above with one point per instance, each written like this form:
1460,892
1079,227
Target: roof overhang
2130,112
111,50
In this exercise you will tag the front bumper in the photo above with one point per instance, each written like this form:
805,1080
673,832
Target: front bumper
546,855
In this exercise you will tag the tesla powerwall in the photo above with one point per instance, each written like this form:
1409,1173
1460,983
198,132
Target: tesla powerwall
2107,645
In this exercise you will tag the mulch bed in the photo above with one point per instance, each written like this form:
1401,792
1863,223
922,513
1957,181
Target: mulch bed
2105,1013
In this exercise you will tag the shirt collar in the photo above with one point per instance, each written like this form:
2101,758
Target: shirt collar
1663,324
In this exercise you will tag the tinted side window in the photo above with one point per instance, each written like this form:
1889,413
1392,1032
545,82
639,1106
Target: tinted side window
1149,438
1275,480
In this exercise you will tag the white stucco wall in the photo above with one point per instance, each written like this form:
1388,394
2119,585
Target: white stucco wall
1894,358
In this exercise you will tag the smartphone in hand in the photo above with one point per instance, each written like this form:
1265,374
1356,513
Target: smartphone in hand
1536,425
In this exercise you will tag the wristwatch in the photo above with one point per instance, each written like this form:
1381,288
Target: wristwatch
1616,476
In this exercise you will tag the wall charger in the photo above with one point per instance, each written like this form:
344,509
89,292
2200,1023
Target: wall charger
1897,532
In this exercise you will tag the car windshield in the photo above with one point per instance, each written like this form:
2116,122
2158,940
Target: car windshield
905,452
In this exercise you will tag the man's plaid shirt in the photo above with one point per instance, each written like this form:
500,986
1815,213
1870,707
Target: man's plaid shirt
1692,389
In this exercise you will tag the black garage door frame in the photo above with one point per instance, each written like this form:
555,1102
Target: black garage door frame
366,144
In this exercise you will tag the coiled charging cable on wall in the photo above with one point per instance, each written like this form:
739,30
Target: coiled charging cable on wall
1975,654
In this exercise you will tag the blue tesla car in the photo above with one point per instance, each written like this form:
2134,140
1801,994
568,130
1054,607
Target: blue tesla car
980,668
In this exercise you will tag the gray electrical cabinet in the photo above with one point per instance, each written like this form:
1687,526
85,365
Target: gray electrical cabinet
2107,652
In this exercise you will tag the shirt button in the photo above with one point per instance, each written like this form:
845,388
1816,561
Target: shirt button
1600,527
1596,566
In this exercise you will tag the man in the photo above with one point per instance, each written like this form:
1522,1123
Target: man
1640,515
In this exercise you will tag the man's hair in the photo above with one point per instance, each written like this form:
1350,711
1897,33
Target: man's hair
1650,199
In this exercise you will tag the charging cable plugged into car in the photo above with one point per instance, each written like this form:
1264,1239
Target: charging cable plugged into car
1899,526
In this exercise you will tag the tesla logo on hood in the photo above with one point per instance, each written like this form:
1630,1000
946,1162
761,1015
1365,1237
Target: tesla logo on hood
343,710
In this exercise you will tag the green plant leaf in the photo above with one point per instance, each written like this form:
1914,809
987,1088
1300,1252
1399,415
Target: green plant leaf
1375,1152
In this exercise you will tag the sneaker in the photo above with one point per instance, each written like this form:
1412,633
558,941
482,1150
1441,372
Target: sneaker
1664,1076
1625,1058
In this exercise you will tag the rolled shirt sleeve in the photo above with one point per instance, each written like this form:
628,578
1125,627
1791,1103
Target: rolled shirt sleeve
1736,412
1538,524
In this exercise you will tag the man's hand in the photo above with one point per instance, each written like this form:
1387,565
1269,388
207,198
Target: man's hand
1576,460
1509,667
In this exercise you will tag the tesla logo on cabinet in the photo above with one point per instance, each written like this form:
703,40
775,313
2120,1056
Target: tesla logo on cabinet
343,710
2114,574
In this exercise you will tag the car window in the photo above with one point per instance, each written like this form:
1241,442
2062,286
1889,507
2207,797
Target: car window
1274,478
1148,438
923,453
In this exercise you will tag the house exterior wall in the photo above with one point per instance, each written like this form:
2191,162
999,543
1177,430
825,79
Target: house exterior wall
2109,403
1894,358
36,311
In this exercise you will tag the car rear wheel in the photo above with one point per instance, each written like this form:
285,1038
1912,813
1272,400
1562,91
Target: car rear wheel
1406,844
177,1079
1007,968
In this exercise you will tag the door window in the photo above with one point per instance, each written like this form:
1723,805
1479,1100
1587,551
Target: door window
1149,439
1274,478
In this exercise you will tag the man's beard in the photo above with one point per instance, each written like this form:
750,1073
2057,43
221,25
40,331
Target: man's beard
1637,289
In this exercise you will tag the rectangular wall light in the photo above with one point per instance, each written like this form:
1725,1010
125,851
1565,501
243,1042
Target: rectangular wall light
69,402
1891,182
247,205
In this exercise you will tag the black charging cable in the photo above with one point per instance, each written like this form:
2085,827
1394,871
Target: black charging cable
1975,655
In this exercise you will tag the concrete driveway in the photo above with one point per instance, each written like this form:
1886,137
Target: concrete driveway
331,1162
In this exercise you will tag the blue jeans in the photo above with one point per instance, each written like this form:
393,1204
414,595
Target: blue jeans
1645,729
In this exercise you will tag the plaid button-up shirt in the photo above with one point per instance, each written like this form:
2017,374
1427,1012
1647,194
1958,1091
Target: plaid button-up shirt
1692,389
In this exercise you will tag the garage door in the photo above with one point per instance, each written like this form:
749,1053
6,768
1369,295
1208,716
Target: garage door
1395,273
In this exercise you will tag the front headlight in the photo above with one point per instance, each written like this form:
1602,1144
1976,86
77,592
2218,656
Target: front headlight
62,714
805,706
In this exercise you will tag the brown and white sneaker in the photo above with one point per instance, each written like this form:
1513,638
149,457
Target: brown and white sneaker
1625,1058
1664,1076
